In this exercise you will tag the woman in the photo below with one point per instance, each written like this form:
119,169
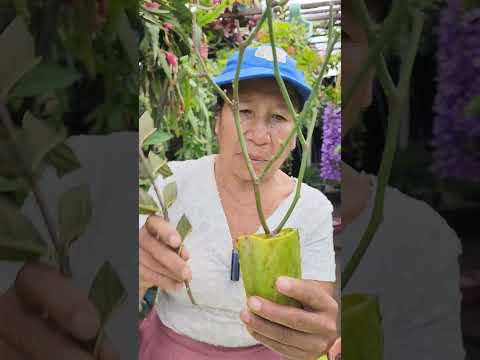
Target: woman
217,196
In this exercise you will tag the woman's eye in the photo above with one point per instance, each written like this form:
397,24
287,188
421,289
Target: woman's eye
246,113
279,118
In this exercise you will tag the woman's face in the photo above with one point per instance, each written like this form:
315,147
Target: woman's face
265,121
354,52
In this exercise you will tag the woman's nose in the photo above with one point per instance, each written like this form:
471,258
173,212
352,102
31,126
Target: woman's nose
259,133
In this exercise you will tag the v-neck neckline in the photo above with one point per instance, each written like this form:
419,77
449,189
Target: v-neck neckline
281,208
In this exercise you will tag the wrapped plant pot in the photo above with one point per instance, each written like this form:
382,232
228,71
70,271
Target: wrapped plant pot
263,259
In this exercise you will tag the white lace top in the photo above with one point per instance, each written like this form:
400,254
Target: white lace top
216,318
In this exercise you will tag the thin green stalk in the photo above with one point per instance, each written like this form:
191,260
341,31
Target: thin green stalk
310,102
154,184
277,156
278,77
303,166
386,81
386,32
62,255
243,144
388,154
164,211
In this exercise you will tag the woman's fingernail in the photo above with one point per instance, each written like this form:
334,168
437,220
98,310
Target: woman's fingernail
85,325
254,304
245,316
187,274
283,284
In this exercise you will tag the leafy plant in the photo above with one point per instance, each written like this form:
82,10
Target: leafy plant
150,166
39,83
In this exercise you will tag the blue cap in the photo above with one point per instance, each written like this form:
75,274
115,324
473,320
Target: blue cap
258,63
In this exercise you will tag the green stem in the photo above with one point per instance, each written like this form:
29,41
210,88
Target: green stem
388,154
386,81
303,166
385,34
243,144
154,184
278,77
61,254
309,104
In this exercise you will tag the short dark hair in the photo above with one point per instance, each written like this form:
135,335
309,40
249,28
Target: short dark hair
292,92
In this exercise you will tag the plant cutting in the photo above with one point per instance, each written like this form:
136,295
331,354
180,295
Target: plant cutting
276,252
31,147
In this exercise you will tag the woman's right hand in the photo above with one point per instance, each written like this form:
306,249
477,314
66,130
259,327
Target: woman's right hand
159,264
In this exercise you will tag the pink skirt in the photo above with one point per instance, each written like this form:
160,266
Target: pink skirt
158,342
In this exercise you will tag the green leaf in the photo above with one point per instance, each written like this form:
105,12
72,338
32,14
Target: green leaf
45,78
206,17
19,239
170,194
146,204
184,227
74,213
361,327
18,54
158,137
63,159
145,127
156,162
128,38
38,139
107,293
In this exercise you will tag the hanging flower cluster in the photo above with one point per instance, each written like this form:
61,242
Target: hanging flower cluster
456,135
331,155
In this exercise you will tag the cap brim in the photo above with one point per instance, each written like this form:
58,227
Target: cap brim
259,73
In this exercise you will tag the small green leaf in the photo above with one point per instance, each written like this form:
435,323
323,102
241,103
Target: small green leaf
74,213
146,204
184,227
158,137
107,293
206,17
38,139
145,127
63,159
170,194
156,162
165,171
18,43
44,78
361,327
19,239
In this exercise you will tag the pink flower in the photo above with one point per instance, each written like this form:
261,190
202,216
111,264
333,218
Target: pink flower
152,5
167,26
171,59
216,2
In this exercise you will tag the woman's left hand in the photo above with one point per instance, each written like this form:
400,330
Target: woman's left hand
304,334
